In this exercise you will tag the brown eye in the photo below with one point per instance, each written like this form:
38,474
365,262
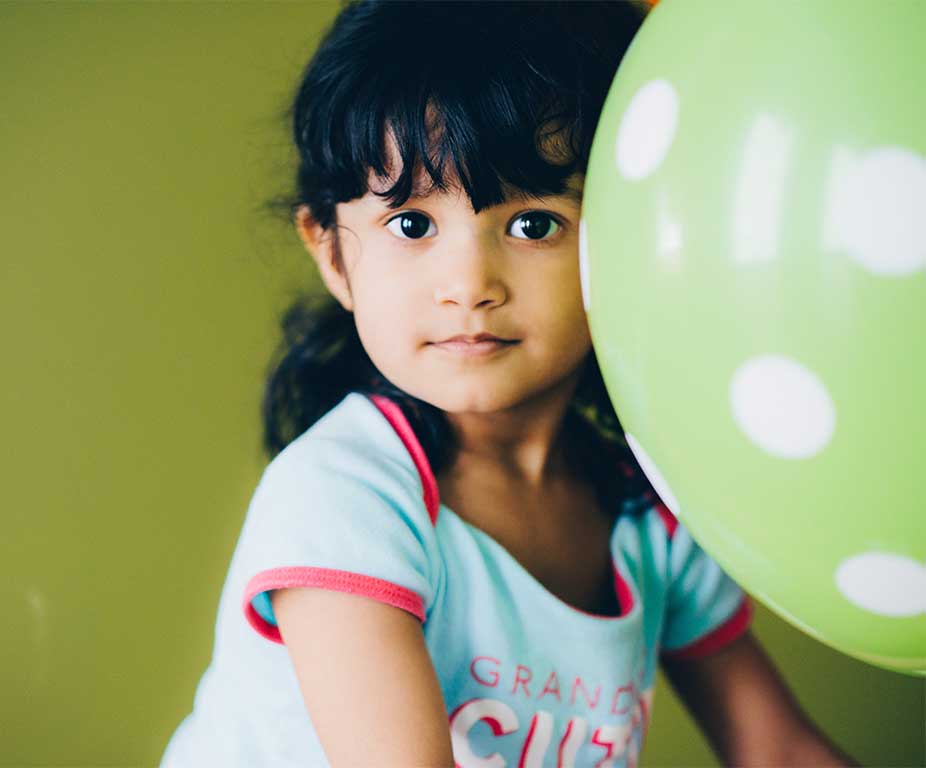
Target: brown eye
534,225
410,225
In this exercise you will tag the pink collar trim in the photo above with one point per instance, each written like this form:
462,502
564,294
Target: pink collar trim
400,424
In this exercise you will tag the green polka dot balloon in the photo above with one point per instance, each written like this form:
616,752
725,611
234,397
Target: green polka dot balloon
753,250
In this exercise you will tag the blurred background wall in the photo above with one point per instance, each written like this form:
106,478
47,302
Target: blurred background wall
140,285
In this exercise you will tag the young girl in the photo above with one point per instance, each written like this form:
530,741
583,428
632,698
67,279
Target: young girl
453,558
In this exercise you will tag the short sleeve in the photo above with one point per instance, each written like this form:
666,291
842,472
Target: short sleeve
339,515
705,608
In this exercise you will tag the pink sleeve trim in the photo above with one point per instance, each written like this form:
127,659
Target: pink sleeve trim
624,595
668,519
325,578
723,635
400,424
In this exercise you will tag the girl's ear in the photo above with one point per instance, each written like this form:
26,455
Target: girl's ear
321,247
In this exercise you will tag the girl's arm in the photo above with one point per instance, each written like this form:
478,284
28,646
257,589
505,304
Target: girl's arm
747,712
366,678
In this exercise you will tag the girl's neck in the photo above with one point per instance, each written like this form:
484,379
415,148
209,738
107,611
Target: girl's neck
524,442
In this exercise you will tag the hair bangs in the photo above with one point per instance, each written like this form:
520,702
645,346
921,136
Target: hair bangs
503,102
499,123
489,144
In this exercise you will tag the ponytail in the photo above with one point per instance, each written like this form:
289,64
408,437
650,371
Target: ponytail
320,360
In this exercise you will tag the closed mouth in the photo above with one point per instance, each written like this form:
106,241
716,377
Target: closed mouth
482,347
475,339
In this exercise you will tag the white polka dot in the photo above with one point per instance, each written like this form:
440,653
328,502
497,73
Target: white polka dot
653,475
647,129
884,583
874,209
583,266
782,407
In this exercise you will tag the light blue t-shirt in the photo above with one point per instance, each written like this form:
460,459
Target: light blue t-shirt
528,680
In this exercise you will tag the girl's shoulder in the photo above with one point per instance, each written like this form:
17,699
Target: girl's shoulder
350,455
341,507
354,434
355,422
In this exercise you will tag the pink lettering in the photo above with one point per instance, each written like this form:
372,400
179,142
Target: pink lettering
572,740
494,673
501,719
626,695
618,741
518,680
577,685
552,687
537,741
613,738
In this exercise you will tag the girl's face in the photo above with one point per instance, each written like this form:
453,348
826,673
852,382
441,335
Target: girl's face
419,275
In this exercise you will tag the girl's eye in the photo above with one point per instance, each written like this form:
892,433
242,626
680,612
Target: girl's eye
410,226
534,225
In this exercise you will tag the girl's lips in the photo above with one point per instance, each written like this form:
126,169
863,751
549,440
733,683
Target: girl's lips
480,348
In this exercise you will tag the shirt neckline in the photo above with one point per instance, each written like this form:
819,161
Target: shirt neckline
628,602
626,596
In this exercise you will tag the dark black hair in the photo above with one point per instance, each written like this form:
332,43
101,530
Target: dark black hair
495,95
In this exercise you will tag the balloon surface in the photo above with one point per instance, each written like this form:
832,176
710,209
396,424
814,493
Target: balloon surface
753,250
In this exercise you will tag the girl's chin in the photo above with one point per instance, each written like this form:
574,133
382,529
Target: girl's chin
484,399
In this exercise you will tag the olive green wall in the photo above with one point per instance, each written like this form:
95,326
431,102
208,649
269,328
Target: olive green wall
139,286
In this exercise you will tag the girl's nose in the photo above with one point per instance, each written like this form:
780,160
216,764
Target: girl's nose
470,281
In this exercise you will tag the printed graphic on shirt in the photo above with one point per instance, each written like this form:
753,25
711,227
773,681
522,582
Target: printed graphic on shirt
569,721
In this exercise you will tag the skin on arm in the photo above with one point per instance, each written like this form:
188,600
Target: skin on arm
747,712
366,678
